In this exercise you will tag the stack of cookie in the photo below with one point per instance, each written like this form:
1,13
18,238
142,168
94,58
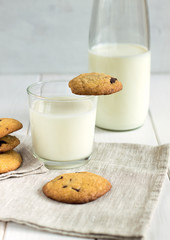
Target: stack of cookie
9,159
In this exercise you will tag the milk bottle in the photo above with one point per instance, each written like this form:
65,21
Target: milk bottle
119,46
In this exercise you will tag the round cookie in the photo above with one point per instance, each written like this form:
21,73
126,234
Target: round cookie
9,161
9,125
80,187
94,84
8,143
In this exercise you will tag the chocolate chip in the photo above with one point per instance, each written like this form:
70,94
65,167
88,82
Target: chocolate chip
77,190
60,178
65,186
113,80
70,179
7,129
2,142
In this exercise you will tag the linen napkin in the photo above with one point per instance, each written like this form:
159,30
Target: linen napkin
136,172
30,165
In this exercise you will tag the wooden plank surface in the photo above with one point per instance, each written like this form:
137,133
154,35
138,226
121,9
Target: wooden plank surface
2,230
16,106
142,135
160,106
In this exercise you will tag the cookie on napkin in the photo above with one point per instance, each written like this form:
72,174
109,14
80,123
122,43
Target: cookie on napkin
9,125
8,143
10,161
80,187
95,84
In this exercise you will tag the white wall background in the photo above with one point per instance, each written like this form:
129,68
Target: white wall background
51,36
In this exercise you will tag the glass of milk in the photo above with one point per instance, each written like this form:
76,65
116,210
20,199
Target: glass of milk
62,124
119,46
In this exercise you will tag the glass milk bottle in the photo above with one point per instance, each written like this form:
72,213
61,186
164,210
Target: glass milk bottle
119,46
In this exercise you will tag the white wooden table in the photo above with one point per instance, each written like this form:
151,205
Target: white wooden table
156,130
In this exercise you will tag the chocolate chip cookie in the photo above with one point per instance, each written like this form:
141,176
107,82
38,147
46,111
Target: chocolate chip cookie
80,187
8,143
9,125
9,161
95,84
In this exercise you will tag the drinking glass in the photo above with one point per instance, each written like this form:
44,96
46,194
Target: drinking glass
119,46
62,124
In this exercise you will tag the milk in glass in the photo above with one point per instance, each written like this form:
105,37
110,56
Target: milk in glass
62,130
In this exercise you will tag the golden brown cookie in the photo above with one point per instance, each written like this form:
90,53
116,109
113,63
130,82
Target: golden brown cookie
80,187
9,161
8,125
94,84
8,143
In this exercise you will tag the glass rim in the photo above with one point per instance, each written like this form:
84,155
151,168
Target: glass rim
76,97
